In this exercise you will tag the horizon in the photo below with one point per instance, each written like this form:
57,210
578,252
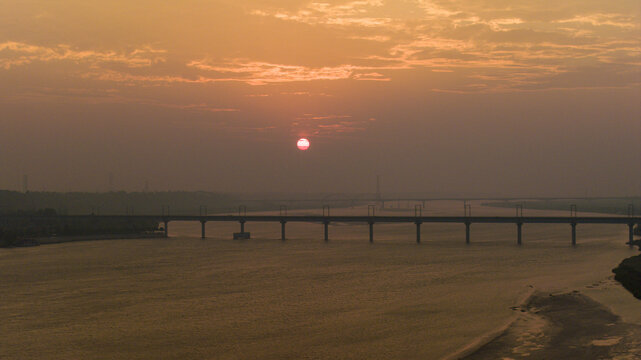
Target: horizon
384,196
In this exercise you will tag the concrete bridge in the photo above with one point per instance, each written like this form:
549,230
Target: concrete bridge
371,220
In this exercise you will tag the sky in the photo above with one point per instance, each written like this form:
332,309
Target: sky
459,97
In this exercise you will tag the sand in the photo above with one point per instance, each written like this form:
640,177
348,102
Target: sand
564,326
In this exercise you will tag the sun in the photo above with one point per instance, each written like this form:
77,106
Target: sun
302,144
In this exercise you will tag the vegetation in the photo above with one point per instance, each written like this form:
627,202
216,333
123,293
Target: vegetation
628,273
115,203
15,231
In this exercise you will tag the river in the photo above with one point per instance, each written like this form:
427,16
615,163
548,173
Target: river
188,298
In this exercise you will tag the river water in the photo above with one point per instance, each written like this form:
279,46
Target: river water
187,298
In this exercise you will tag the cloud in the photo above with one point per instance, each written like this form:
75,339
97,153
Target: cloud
373,76
329,124
106,96
305,93
377,38
504,47
159,80
616,20
471,45
14,53
307,117
433,10
261,73
347,14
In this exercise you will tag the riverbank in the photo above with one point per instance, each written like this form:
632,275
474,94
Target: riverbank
563,326
628,273
45,240
65,239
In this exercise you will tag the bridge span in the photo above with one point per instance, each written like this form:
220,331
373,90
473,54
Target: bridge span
371,220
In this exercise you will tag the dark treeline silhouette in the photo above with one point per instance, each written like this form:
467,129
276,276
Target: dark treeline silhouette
14,231
157,203
628,273
116,203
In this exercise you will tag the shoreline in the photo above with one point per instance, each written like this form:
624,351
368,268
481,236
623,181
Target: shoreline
554,326
487,338
66,239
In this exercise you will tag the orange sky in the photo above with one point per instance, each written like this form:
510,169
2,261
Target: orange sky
437,96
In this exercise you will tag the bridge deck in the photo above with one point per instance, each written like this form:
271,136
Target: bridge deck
368,219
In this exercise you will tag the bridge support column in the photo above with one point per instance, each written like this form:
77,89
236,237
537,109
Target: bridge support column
418,232
326,225
630,234
518,236
467,232
371,231
166,228
573,234
282,229
202,229
242,226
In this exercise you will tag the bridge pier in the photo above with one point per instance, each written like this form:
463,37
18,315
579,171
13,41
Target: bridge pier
242,226
202,229
371,231
573,234
630,234
326,226
418,232
467,232
519,237
282,229
166,228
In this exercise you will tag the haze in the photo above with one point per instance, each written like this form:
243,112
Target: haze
442,97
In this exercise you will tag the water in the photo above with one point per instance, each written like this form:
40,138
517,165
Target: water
303,298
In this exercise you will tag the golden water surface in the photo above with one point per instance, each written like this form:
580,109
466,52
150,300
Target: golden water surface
187,298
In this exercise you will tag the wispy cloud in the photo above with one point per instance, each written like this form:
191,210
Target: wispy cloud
478,45
159,80
433,10
616,20
107,96
504,48
261,73
354,13
19,53
305,93
329,124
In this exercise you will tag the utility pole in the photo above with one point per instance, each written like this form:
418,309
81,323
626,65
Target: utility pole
378,187
111,182
25,183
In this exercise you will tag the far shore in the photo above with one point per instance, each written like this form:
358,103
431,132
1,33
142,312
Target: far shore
65,239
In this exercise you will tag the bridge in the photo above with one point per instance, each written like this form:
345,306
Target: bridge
371,220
